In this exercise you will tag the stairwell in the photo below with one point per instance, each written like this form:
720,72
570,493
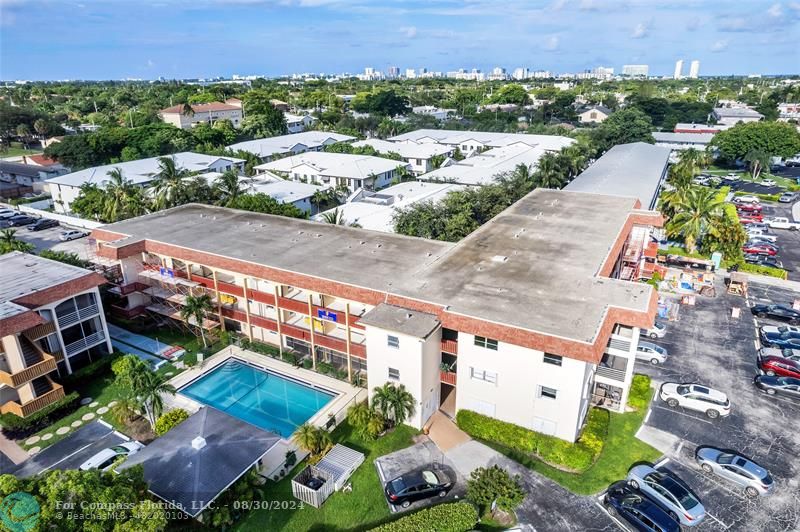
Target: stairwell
29,352
41,386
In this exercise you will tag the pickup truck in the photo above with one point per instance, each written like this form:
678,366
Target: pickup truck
780,222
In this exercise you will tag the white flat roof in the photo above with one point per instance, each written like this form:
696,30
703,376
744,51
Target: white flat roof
376,212
140,171
334,164
408,150
285,191
693,138
483,168
284,143
487,138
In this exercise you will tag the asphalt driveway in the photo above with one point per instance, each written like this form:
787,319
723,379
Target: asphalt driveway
73,450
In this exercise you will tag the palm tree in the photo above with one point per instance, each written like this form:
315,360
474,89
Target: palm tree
9,242
41,127
150,394
694,212
187,110
196,307
121,199
549,174
228,187
757,160
169,189
313,439
395,403
573,160
334,217
319,197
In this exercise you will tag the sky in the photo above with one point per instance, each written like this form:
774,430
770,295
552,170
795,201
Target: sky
115,39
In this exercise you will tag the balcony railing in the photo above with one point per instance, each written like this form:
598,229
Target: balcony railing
40,331
123,312
36,404
85,343
611,373
129,288
450,346
65,320
621,344
19,378
447,377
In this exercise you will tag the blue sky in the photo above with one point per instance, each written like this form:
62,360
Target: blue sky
112,39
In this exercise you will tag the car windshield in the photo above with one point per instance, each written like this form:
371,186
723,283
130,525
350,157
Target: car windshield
684,497
683,389
119,449
726,458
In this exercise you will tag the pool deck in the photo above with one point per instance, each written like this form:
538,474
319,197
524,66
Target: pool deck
347,395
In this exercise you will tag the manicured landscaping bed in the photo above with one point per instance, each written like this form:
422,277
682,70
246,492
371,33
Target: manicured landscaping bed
620,449
363,508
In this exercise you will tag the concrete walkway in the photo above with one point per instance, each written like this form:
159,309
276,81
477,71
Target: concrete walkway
547,506
13,451
444,432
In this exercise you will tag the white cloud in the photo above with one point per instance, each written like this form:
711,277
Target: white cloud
775,11
551,43
720,46
150,63
640,31
409,31
558,5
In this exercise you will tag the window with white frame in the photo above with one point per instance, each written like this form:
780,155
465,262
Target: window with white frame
487,343
555,360
549,393
394,374
393,341
483,375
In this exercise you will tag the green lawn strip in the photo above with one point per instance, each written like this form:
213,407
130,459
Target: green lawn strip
15,152
621,450
365,507
101,389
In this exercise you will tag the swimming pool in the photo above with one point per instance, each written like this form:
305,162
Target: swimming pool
262,398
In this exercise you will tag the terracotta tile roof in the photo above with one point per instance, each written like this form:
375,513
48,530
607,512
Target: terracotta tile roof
42,160
201,108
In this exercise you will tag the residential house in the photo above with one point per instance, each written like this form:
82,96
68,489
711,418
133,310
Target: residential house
421,157
202,113
275,147
298,123
594,114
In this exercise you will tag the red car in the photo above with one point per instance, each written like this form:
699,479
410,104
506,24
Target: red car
760,249
783,367
749,207
750,218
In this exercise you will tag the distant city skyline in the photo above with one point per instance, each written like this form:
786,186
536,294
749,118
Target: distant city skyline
211,38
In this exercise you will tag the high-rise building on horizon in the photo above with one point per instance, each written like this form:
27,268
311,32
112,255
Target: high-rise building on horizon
636,71
520,73
694,69
678,69
602,72
411,73
393,72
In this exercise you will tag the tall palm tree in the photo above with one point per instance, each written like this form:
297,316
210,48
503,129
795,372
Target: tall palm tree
757,160
150,393
169,189
549,174
121,198
187,110
395,403
196,307
315,440
228,187
694,212
319,197
573,160
9,242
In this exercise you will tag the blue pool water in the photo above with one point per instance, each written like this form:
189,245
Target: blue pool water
261,398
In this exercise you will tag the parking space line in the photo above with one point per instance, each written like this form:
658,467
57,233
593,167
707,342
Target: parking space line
723,525
662,462
617,521
647,416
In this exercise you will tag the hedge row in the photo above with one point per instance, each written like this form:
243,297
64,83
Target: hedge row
16,427
448,517
559,453
763,270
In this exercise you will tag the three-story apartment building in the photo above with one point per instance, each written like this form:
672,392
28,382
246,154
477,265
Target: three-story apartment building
51,323
530,319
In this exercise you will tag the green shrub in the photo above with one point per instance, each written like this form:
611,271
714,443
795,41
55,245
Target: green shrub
559,453
16,427
448,517
762,270
307,363
88,373
639,395
490,485
170,419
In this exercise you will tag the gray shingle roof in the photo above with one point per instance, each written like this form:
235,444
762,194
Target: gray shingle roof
192,478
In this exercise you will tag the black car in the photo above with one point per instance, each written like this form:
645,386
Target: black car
20,220
763,260
786,386
43,223
630,504
777,312
418,485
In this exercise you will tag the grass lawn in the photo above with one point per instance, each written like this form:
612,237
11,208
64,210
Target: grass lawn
16,150
620,450
361,509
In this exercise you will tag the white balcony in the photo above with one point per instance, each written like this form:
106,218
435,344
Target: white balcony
65,320
85,343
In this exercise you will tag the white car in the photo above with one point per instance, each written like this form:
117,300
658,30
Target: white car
779,329
696,397
72,234
780,222
658,331
7,213
669,492
758,234
746,199
732,177
106,458
754,479
791,354
767,183
655,354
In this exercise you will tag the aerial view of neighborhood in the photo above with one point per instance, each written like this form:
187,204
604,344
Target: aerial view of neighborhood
399,265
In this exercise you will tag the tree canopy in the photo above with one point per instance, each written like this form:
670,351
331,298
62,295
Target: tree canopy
776,139
622,127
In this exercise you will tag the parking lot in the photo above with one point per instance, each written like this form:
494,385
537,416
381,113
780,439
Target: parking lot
710,347
48,239
788,241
